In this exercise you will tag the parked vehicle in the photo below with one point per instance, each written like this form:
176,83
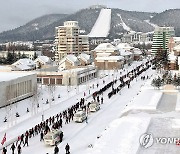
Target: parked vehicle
53,137
79,116
94,106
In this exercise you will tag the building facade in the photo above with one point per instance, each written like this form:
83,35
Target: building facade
27,54
161,38
16,86
68,41
107,57
75,76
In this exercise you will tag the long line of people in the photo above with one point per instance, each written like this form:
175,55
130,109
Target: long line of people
56,121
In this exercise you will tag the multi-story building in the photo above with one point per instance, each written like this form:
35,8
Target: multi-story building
16,86
161,38
68,41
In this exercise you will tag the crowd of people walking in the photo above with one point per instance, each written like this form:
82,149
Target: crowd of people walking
58,120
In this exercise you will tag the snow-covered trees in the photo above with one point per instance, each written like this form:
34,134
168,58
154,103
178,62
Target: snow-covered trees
167,78
176,81
161,59
157,82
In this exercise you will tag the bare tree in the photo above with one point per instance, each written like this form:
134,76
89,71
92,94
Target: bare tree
51,90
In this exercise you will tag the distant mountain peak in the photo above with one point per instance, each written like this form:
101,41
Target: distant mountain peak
121,22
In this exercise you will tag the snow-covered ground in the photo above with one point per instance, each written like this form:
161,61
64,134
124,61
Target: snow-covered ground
121,136
102,25
153,25
78,135
123,24
178,102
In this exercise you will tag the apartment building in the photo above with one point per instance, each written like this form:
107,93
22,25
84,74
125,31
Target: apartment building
68,41
161,38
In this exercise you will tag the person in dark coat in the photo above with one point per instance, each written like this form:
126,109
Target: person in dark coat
41,136
67,148
13,148
22,139
26,140
19,149
56,150
4,150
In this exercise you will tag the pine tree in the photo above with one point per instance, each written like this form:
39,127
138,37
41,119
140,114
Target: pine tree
169,79
165,59
10,58
157,82
176,81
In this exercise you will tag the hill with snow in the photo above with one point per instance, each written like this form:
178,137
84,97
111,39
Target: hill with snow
120,22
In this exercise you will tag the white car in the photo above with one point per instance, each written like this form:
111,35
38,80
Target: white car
79,116
94,106
53,137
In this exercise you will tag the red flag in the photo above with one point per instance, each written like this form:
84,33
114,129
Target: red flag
4,139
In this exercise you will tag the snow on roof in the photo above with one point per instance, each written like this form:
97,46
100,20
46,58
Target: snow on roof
78,69
24,64
114,58
24,61
72,58
7,76
176,39
125,46
105,47
177,47
172,57
103,54
84,56
124,52
43,59
137,51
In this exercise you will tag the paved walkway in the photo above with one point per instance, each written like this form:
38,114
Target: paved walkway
168,102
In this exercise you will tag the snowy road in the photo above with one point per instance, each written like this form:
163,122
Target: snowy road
78,135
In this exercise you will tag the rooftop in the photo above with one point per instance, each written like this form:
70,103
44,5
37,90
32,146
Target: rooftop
7,76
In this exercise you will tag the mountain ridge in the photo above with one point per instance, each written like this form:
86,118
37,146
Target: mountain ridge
44,27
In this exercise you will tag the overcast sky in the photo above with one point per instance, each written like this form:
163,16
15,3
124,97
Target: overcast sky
14,13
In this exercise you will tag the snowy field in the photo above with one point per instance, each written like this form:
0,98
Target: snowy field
78,135
102,25
121,136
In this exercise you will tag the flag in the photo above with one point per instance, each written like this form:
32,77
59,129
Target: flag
4,139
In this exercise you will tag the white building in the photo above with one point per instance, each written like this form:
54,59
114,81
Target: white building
78,76
16,86
75,76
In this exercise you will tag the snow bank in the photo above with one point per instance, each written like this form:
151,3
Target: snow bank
121,136
176,123
102,26
178,103
147,100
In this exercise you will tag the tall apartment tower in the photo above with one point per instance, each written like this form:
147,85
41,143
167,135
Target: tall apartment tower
68,41
161,38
